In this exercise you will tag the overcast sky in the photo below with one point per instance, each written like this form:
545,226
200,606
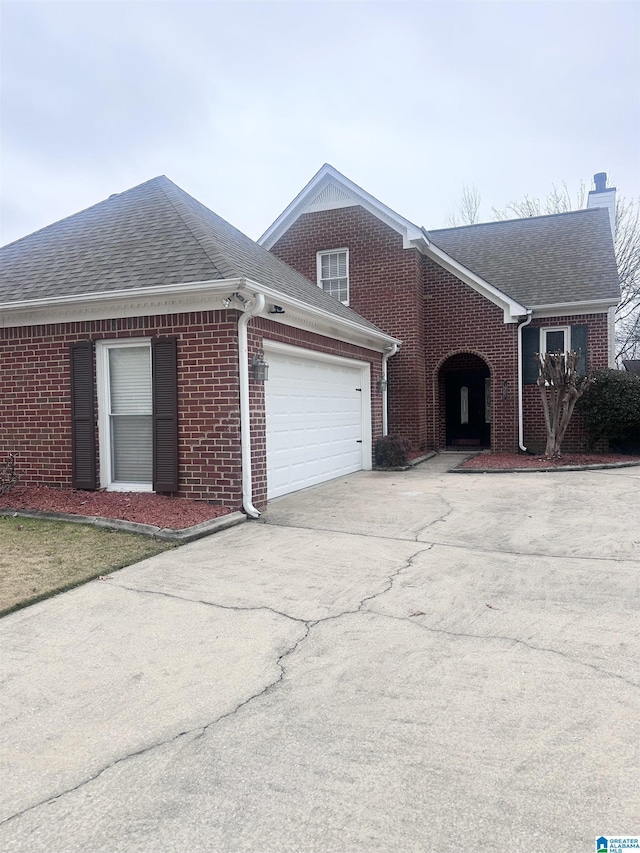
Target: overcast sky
240,103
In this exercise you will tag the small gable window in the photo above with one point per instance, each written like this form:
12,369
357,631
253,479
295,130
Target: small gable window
333,273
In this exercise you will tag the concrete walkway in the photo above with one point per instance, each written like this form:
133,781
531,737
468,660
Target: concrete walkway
409,661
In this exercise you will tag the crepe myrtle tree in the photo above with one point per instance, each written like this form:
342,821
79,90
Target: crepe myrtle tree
560,389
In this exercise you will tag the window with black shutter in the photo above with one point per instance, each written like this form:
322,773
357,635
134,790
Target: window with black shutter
165,414
530,346
83,429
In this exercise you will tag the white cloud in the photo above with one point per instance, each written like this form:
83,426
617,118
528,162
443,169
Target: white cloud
240,103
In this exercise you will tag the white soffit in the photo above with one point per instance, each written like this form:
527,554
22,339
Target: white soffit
330,190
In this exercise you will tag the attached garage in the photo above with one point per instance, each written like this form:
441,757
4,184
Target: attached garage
318,418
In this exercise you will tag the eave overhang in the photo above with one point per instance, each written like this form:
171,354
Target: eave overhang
567,309
188,297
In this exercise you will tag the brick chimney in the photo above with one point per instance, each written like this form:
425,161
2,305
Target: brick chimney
604,196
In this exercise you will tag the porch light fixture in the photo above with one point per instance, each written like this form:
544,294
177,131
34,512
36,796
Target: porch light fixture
382,385
259,367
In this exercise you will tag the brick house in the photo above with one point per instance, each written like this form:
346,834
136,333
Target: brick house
133,339
471,305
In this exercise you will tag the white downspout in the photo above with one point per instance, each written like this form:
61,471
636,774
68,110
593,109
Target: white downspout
612,337
520,384
252,309
385,399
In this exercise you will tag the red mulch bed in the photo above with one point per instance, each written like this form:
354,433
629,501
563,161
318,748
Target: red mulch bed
143,508
524,460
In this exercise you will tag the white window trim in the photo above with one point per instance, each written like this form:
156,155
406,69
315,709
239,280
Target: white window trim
544,331
104,431
319,269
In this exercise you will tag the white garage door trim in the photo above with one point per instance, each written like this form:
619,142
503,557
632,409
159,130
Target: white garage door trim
362,375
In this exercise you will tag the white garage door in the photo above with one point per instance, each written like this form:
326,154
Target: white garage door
314,414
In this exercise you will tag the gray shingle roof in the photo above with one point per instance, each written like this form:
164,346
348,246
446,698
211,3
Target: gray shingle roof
544,260
153,234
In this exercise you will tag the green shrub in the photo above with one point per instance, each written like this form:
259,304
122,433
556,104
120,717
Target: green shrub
392,451
611,409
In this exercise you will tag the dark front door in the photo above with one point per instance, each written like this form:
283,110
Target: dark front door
467,408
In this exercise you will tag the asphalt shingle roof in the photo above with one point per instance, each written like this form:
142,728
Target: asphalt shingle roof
543,260
154,234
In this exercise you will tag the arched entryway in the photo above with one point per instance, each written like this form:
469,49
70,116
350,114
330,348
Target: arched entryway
465,401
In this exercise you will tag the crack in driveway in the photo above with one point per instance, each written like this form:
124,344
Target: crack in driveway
199,731
235,607
445,514
514,640
462,547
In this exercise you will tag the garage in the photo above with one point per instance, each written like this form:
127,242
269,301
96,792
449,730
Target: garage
318,421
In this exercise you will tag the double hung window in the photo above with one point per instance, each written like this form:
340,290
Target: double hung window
126,415
333,273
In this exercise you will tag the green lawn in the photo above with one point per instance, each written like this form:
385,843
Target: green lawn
40,558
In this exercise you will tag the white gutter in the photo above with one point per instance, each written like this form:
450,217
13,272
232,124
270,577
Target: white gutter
188,288
365,333
385,401
251,309
520,384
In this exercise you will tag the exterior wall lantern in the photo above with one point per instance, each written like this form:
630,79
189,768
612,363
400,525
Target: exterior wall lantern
382,385
259,367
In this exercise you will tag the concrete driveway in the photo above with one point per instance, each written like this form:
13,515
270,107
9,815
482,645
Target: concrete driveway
414,661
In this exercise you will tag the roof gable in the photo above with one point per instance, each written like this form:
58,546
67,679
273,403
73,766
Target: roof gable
331,190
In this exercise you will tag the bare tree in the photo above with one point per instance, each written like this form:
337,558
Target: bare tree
628,259
467,208
627,247
560,389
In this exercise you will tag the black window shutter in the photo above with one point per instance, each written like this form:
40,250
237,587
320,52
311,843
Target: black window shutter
579,342
165,414
530,346
83,428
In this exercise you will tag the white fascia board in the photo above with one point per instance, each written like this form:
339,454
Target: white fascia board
143,301
301,315
568,309
183,298
327,174
512,310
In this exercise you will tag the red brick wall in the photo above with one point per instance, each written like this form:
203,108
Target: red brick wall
35,395
385,287
35,407
436,316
